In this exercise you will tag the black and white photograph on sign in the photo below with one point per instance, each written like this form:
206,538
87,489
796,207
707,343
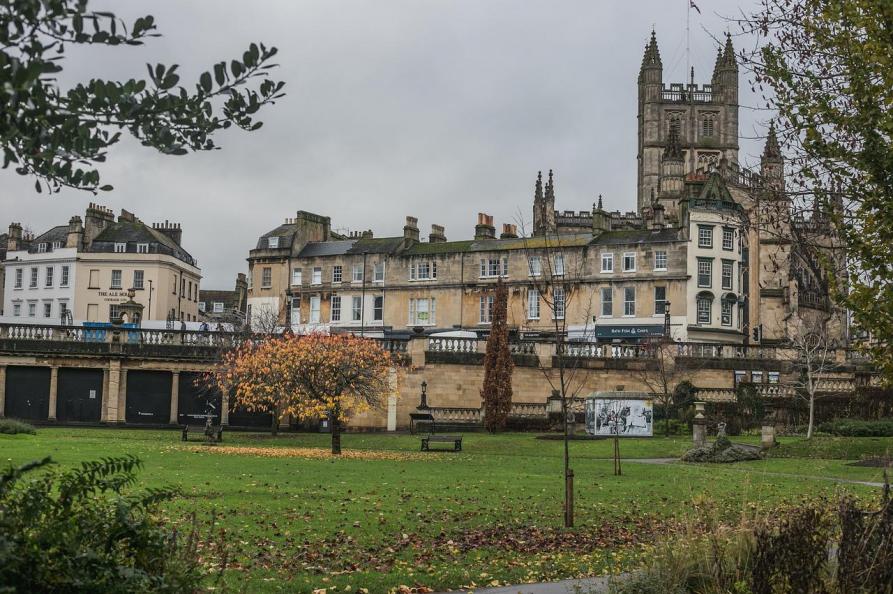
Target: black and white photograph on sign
625,417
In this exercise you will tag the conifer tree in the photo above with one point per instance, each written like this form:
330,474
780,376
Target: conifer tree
498,365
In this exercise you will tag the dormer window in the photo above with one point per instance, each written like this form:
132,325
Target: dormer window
272,242
218,307
41,248
142,248
120,248
57,245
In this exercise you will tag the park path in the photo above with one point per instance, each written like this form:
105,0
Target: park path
593,585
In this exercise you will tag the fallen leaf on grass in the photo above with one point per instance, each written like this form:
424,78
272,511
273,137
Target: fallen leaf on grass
313,453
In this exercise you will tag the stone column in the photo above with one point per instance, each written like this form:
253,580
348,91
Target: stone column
175,396
122,397
224,408
2,390
54,388
699,426
113,388
416,349
104,405
392,412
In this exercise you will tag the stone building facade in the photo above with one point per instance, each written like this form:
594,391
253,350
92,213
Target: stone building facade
84,271
698,260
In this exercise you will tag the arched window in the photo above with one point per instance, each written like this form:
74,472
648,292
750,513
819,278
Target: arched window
704,307
707,126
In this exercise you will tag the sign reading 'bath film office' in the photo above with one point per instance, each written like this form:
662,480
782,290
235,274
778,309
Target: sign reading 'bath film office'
627,414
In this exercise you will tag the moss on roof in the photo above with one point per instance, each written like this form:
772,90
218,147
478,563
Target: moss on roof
443,247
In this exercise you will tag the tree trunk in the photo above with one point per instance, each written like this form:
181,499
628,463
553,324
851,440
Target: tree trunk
274,426
335,428
811,416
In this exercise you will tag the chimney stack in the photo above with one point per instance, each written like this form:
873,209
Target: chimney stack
509,231
437,234
657,216
126,217
75,237
14,239
411,231
600,221
484,229
172,230
96,219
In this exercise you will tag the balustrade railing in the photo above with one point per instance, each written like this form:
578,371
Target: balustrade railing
395,346
454,414
110,334
453,345
723,351
522,348
595,350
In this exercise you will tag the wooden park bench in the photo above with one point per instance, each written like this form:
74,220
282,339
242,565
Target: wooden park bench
456,440
214,433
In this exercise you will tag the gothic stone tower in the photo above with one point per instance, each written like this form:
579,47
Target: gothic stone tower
705,117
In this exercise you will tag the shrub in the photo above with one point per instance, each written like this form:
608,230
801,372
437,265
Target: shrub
858,428
84,530
13,426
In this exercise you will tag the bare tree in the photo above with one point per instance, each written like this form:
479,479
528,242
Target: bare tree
266,319
815,355
556,273
662,373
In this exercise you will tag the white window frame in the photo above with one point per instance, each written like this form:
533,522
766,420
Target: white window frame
41,248
19,278
727,265
728,233
356,308
217,307
297,276
430,312
142,248
486,310
48,276
32,309
726,313
357,272
660,261
705,236
378,312
534,266
64,277
559,303
609,291
120,247
533,304
120,275
378,272
57,245
335,308
629,256
558,265
607,261
663,302
629,305
316,275
47,309
266,278
337,273
141,277
494,267
314,309
32,282
701,319
273,242
17,310
708,262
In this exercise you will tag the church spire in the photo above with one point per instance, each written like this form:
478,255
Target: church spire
538,188
772,151
651,58
728,55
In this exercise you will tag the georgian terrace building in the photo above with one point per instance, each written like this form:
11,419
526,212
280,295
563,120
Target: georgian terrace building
83,271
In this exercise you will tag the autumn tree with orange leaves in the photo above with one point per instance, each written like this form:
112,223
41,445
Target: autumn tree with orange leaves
308,377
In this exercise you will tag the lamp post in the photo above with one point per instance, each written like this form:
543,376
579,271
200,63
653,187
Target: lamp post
667,319
149,312
423,399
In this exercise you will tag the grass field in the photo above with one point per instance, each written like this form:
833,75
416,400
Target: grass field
385,515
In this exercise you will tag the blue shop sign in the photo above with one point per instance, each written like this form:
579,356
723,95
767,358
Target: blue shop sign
628,331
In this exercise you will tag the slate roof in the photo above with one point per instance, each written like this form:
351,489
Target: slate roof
357,246
285,233
138,232
631,236
59,233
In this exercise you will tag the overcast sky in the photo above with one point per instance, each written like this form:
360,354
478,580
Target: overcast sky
434,108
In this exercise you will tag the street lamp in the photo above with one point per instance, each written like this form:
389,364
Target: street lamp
667,319
423,401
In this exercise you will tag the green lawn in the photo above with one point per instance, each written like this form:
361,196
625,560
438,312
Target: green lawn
491,513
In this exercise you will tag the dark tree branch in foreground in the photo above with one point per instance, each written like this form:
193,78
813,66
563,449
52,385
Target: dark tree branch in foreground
58,136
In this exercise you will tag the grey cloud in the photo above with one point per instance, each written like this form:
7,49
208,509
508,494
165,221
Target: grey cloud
438,108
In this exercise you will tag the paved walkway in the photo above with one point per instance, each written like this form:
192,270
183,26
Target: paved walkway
595,585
